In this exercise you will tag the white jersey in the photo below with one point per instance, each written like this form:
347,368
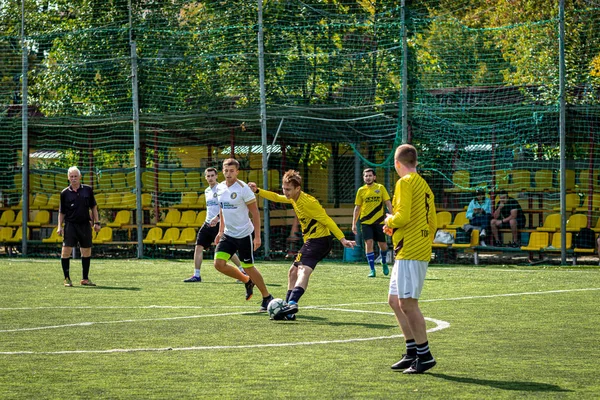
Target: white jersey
212,203
234,201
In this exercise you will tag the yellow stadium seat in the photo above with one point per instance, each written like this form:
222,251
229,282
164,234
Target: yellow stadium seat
586,180
61,181
146,200
193,181
104,235
130,178
537,241
39,201
148,181
178,181
35,183
188,200
188,236
47,182
571,202
123,217
164,181
18,237
444,218
128,201
502,179
153,235
521,180
170,236
18,220
576,222
18,182
100,199
187,217
113,200
459,220
7,217
585,204
474,241
41,218
54,237
6,233
103,182
20,204
551,223
118,181
556,242
201,201
171,219
200,217
461,180
544,180
53,202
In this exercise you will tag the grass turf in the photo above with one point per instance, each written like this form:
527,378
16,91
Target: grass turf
142,333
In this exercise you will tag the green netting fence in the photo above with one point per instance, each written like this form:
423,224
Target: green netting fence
478,81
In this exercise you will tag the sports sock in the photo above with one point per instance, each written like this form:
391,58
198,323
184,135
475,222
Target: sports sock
85,263
423,352
411,348
65,263
383,256
296,294
287,296
197,272
371,260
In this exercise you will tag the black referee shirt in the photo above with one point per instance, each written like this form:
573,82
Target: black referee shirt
76,205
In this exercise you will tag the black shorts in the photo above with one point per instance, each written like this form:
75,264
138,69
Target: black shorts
77,233
373,232
228,246
506,225
313,251
206,235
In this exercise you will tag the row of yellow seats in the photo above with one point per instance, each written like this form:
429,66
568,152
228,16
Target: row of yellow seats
8,236
574,223
104,235
540,241
521,180
40,201
9,218
121,200
188,218
170,236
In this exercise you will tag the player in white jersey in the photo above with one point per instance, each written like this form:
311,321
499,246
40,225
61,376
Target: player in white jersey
209,230
239,233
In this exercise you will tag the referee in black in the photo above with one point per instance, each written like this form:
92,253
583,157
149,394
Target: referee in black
75,203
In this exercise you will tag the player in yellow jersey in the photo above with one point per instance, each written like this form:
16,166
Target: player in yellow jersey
412,227
317,228
372,200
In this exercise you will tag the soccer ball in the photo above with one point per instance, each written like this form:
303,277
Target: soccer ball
274,306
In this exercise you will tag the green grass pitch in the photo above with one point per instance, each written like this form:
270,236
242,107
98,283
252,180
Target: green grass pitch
496,332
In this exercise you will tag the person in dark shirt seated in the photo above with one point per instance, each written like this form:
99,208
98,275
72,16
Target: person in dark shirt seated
508,214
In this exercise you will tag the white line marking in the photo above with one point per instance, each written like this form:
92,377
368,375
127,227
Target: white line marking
439,326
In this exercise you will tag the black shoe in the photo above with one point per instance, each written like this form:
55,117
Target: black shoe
405,362
286,311
419,366
497,243
249,289
265,303
515,244
290,317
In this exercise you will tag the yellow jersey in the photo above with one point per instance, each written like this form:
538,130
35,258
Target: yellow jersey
314,221
413,221
371,200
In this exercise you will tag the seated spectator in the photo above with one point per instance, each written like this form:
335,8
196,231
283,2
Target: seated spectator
508,214
479,214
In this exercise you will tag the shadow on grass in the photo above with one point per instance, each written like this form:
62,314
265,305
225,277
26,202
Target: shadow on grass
505,385
325,321
111,288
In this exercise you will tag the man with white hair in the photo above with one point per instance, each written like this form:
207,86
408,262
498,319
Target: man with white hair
76,201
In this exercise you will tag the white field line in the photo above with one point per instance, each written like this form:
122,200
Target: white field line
439,326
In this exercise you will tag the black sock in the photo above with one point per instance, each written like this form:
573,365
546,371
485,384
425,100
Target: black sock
411,348
423,352
287,296
85,263
296,294
65,263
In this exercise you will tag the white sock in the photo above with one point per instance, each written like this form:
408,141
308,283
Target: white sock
197,272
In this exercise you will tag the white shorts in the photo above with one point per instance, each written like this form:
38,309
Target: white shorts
407,278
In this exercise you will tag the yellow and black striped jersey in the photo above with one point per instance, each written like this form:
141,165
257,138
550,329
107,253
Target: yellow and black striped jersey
413,221
371,199
313,219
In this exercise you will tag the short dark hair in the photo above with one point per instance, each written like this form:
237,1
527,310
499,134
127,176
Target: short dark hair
480,191
231,162
406,154
371,170
210,169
